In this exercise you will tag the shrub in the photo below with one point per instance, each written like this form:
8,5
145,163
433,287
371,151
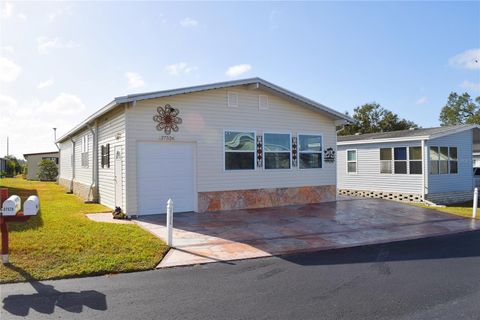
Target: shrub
47,170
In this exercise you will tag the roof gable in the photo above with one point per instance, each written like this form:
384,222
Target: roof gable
252,82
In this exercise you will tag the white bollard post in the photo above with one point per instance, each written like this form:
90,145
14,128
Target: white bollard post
475,203
169,222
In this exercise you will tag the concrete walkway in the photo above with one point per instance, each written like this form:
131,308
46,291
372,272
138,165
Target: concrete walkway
244,234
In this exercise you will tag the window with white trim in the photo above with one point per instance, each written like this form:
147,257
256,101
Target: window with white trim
400,160
310,147
443,160
277,149
239,150
415,160
386,160
84,151
352,161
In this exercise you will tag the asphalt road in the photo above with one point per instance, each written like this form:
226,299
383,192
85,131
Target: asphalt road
436,278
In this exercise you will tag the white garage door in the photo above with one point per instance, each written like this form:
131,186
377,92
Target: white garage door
165,170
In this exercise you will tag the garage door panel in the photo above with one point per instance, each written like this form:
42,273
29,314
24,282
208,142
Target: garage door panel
164,171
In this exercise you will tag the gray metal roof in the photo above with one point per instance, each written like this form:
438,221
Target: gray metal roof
258,82
422,133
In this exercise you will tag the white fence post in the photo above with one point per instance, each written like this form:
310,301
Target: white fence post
169,222
475,203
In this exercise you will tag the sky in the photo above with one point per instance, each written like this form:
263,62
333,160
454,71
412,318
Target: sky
62,61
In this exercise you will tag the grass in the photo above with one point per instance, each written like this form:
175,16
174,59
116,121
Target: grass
61,242
460,209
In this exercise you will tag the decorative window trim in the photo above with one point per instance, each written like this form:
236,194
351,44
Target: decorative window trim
105,155
294,151
254,151
232,99
352,161
259,145
322,164
290,151
263,105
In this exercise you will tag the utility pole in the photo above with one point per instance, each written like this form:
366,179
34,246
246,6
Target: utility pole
8,151
55,138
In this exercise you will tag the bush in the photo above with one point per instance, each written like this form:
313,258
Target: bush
47,170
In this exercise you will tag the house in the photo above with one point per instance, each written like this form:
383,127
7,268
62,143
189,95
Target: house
434,164
33,160
229,145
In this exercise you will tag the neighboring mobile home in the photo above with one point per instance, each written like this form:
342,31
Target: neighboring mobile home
434,164
229,145
33,160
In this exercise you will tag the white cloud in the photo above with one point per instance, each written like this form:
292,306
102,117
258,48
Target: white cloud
9,71
7,49
469,59
7,10
22,16
180,68
189,23
470,85
45,44
63,104
422,100
52,16
237,70
134,80
7,102
45,84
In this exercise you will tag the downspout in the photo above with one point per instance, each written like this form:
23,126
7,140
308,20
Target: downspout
424,167
93,185
72,163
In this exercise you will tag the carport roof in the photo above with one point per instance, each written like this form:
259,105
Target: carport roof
253,83
405,135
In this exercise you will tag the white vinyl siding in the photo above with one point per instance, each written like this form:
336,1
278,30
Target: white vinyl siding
369,177
65,160
461,181
111,130
83,174
206,117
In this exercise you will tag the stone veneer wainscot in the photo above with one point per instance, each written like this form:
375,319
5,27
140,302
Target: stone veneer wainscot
263,198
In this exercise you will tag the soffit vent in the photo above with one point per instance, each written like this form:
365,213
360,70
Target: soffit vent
263,102
232,98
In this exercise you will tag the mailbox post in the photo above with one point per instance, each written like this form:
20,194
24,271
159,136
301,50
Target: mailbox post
10,212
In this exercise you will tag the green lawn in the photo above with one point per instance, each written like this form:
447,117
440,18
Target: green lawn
459,209
61,242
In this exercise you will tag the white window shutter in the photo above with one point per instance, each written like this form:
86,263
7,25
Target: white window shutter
232,98
263,102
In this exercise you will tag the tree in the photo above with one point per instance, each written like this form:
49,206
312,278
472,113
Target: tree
372,118
13,166
47,170
460,109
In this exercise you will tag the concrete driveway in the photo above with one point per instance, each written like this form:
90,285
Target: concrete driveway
244,234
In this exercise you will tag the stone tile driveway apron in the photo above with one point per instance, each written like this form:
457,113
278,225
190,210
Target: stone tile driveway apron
243,234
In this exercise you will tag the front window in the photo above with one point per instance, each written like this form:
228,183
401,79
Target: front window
352,161
443,160
443,164
415,160
310,151
277,149
239,150
400,160
385,160
453,160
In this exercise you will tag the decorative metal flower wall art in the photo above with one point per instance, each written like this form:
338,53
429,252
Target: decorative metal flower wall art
259,151
294,152
167,119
